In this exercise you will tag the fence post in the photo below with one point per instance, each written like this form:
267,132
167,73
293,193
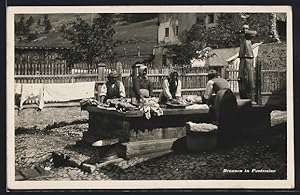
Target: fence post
119,70
258,81
101,77
138,52
124,51
226,71
135,87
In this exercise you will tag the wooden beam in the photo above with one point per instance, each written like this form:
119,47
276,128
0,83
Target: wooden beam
183,90
266,71
57,104
54,76
138,148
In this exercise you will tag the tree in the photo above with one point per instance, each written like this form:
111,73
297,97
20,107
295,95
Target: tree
47,23
192,44
92,43
47,26
20,28
45,19
29,21
224,34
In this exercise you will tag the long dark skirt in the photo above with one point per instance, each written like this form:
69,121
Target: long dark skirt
226,117
246,78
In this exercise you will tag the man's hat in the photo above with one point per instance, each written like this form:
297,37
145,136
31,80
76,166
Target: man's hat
113,74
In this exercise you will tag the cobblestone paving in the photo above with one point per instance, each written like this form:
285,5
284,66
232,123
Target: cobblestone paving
259,154
267,152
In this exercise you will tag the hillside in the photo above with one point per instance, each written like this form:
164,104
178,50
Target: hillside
141,34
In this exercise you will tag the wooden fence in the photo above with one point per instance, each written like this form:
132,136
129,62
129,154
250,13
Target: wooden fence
269,82
48,66
192,83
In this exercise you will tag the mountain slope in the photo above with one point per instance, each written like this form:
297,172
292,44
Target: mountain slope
142,34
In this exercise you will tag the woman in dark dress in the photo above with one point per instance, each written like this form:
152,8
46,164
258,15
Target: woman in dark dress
224,108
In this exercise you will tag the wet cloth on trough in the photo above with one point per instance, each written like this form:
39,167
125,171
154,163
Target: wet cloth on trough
62,92
197,107
151,107
200,127
32,92
88,102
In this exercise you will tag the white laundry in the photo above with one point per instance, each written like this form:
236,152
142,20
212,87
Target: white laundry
197,107
32,92
201,127
18,87
62,92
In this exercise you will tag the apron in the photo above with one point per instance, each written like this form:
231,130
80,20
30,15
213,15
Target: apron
226,116
145,92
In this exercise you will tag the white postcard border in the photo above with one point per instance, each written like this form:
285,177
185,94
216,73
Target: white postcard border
142,184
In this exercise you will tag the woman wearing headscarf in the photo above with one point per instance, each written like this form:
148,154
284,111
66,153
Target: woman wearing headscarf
112,89
142,85
171,88
224,107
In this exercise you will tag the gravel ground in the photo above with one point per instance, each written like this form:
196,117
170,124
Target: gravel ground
48,117
266,152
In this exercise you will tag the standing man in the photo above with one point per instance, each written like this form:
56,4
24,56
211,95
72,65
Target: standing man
171,88
246,69
112,89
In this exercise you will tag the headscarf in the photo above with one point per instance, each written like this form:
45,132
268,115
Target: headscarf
212,74
141,69
173,83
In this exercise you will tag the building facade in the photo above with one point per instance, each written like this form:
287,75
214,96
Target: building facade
172,25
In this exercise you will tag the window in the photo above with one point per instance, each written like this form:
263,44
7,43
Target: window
176,30
210,18
166,32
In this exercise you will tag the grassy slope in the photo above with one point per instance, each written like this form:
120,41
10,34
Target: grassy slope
57,20
141,34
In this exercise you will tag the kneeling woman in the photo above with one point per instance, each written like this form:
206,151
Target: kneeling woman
224,107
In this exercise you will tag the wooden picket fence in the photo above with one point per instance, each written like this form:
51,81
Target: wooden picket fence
48,66
269,82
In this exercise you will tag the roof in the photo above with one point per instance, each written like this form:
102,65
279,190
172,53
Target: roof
236,55
221,56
